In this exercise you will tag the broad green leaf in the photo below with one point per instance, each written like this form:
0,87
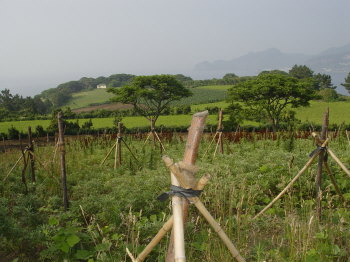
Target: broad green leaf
72,240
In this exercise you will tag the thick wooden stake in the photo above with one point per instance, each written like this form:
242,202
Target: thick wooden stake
25,162
320,165
191,151
119,144
63,161
167,226
31,149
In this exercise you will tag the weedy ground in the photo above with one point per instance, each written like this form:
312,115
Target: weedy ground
114,209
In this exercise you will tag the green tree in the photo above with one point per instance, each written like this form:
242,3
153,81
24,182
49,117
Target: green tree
323,81
150,95
268,95
301,72
346,83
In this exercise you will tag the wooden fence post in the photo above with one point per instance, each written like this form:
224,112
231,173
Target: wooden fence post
119,145
62,161
320,165
31,156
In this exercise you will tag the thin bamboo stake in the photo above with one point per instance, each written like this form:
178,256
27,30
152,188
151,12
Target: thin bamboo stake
148,136
63,162
336,159
178,227
110,151
219,144
191,151
25,162
291,182
31,149
347,136
131,255
211,142
19,159
116,154
41,164
333,181
161,144
320,165
130,150
217,228
168,225
220,127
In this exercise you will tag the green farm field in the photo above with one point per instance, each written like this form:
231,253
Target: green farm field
339,113
203,94
85,99
129,122
114,209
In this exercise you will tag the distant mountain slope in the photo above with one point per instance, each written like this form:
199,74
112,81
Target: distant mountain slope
333,61
252,63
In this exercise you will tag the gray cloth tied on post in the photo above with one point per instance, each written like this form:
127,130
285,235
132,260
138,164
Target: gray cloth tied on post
180,192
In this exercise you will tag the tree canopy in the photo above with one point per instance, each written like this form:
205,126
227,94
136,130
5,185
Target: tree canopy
150,95
268,95
346,83
301,72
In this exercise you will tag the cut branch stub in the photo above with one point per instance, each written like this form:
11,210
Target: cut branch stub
186,179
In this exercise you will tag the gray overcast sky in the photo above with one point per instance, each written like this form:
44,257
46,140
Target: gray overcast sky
44,43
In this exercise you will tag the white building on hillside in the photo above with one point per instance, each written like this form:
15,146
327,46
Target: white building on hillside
101,86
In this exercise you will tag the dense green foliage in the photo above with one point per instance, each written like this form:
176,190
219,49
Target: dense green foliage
114,209
151,95
268,95
16,105
346,83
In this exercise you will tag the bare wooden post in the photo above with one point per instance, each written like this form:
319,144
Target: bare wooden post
320,165
25,162
119,145
220,127
62,161
347,136
191,151
31,149
3,143
153,130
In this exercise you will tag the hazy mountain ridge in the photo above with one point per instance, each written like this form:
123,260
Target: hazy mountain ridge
333,61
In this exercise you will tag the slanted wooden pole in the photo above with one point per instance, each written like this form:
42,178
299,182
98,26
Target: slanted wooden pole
292,181
336,159
191,151
153,130
31,149
63,161
320,166
347,136
334,182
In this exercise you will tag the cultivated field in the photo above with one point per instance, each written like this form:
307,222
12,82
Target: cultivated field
114,209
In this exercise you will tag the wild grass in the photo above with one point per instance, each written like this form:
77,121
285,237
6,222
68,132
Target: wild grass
113,209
